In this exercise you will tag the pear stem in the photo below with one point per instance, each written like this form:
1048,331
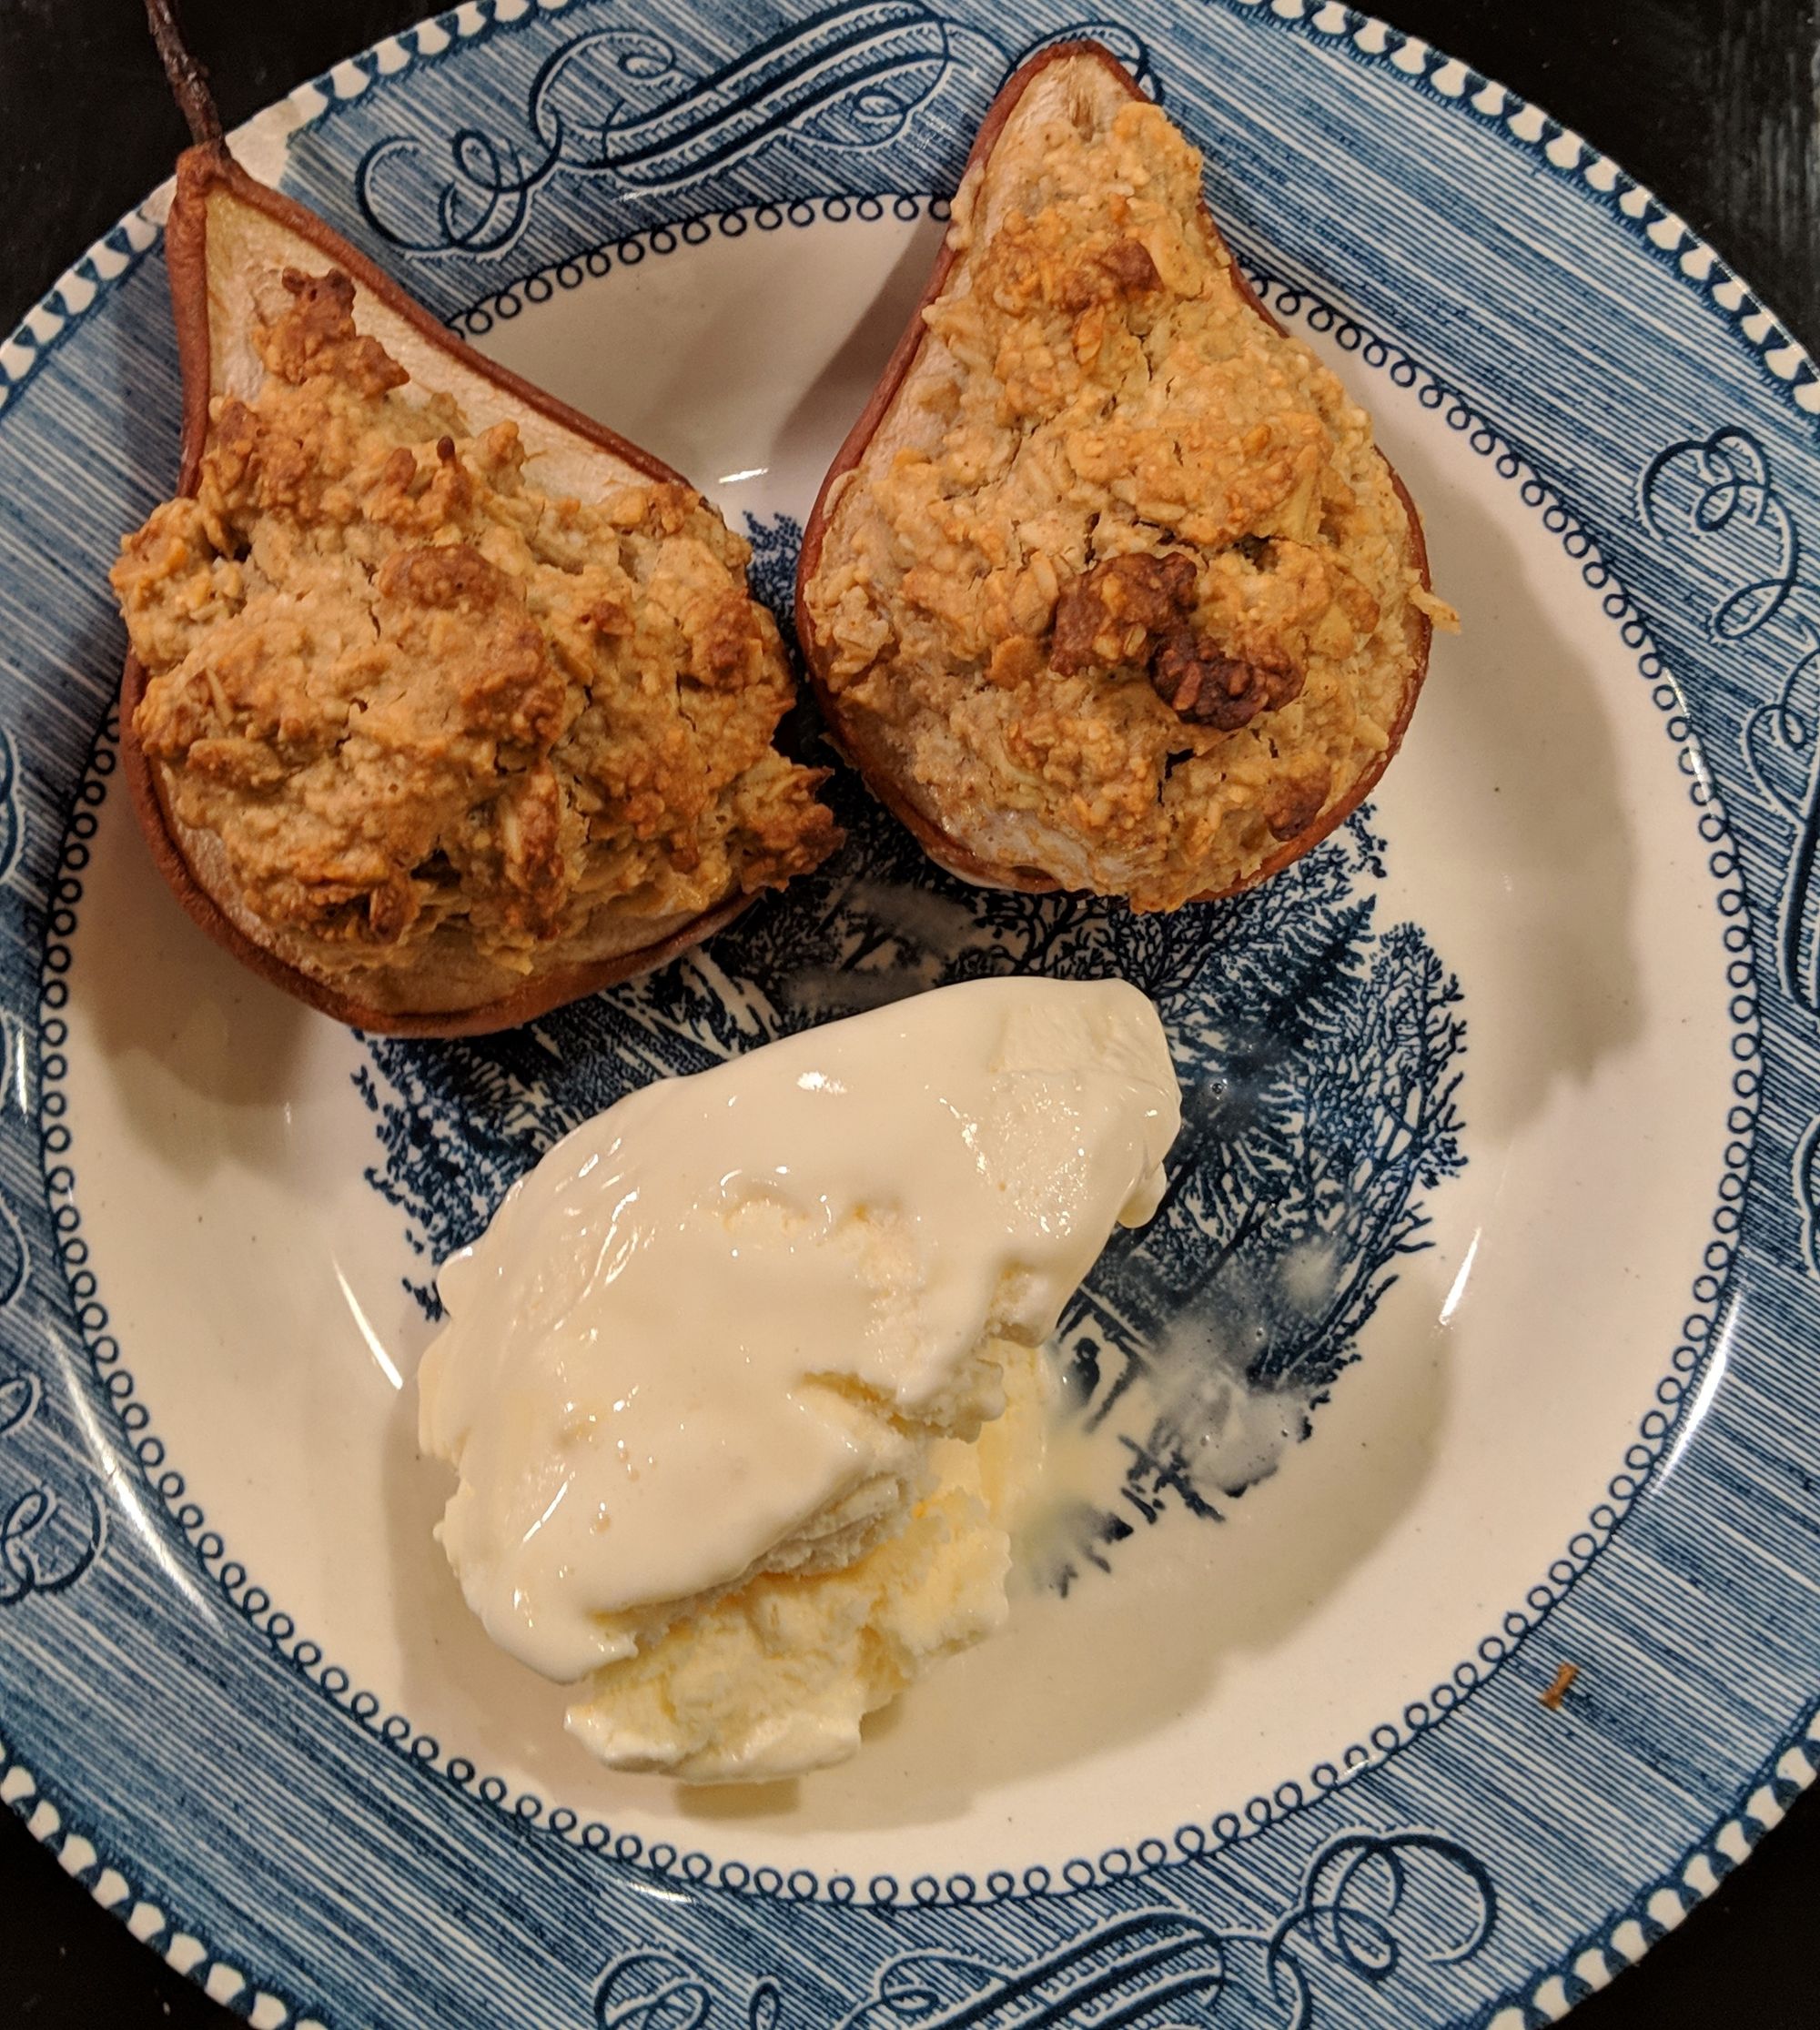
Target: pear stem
188,79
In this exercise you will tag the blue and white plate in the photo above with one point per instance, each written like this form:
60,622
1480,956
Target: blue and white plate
1444,1620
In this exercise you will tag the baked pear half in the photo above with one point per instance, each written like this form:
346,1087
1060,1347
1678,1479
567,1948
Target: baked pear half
1109,588
445,703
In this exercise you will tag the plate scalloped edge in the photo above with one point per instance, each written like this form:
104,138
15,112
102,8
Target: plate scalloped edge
1785,362
1588,1963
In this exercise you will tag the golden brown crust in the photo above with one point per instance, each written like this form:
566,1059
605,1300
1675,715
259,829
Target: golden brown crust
467,617
1206,681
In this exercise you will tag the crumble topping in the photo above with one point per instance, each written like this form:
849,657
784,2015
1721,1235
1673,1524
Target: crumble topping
439,722
1121,589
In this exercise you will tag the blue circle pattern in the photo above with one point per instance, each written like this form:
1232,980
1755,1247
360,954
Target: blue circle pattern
1781,363
507,303
1653,1435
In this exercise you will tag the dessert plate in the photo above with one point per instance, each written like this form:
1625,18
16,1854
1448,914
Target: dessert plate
1433,1616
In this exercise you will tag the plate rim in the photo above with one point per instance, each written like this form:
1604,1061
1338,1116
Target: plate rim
1786,369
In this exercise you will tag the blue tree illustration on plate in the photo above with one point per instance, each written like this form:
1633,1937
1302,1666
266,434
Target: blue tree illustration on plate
1319,1061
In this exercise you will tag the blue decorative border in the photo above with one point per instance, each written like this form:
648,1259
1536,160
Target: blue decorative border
145,1911
1780,369
1442,80
510,300
1582,1970
1189,1842
1624,1935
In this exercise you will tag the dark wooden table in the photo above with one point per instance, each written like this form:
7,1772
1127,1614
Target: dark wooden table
1710,101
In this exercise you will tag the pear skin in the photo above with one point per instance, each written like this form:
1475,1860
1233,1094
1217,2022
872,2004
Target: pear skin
225,232
1092,77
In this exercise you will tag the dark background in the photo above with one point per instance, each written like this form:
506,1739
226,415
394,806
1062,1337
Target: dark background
1712,103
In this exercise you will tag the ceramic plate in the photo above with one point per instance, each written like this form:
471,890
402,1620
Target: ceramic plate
1440,1616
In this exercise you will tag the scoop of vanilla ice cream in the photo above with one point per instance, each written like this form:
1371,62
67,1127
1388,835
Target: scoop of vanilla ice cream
774,1678
715,1379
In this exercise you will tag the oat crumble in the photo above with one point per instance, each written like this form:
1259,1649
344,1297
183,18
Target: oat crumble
444,729
1120,591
